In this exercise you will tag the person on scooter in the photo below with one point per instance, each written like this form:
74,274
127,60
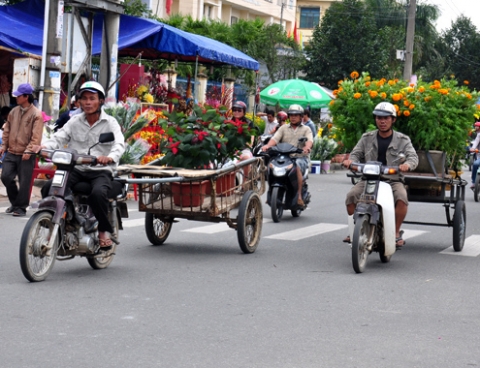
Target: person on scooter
383,145
281,119
475,146
80,133
291,133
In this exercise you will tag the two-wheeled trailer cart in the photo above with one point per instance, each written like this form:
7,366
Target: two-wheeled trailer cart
201,195
445,189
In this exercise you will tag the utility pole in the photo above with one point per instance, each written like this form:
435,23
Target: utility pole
281,13
407,71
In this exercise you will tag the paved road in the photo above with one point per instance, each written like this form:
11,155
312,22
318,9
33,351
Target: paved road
198,301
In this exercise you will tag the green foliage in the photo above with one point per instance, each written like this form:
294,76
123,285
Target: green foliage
197,141
136,8
436,116
323,148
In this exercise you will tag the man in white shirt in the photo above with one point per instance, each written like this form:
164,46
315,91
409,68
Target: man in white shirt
270,122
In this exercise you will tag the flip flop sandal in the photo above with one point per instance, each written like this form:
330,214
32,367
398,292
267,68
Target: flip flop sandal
399,242
105,244
347,239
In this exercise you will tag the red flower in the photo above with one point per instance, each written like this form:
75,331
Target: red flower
174,148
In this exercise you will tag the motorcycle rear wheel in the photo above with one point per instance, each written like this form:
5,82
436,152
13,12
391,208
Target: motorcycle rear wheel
36,261
476,190
98,263
276,204
360,239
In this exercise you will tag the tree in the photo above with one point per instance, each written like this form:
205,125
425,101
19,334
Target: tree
462,49
346,40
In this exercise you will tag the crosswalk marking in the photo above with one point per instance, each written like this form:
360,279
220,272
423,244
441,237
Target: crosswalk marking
133,223
307,232
470,249
212,229
408,233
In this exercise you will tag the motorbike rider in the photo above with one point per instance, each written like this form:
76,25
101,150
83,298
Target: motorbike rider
281,119
475,146
291,133
383,145
80,133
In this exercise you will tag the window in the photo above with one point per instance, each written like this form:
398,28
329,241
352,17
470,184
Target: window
233,20
207,11
309,17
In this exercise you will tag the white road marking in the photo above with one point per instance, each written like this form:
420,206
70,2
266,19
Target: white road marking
134,222
212,229
307,232
408,234
470,249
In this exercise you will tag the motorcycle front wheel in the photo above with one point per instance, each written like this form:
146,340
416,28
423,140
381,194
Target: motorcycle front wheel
36,259
361,236
276,203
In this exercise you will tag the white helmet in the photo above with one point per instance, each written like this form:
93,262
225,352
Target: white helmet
295,109
94,87
385,109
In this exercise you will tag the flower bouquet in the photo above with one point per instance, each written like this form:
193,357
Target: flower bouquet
323,148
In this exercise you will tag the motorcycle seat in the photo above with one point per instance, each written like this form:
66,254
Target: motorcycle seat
85,188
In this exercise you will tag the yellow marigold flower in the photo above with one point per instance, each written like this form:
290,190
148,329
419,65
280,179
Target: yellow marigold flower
466,82
357,95
373,94
148,98
443,91
142,90
468,95
340,82
383,95
354,75
367,84
406,113
410,89
396,107
399,113
411,107
331,102
335,92
391,82
406,103
380,83
421,89
396,97
367,78
427,99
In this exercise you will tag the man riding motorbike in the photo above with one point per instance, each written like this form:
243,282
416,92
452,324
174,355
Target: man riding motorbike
383,145
291,133
80,133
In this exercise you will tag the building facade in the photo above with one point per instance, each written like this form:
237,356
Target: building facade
309,15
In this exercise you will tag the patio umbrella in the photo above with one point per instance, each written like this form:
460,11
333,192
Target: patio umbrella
295,91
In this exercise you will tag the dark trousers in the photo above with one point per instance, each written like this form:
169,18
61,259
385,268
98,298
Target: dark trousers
101,182
14,166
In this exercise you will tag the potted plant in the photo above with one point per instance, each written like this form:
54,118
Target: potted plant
323,149
436,116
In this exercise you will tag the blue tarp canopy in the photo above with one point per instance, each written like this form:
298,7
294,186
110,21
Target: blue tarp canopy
22,30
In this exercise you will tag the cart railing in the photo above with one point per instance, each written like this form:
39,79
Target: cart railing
196,194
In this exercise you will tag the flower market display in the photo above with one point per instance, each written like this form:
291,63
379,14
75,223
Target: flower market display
436,116
207,139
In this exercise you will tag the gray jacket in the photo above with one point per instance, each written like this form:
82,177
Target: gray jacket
367,150
77,134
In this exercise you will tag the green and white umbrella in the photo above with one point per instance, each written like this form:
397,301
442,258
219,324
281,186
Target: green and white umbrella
295,91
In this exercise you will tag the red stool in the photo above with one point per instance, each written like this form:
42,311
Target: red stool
36,172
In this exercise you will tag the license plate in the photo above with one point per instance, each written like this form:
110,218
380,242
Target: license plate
58,179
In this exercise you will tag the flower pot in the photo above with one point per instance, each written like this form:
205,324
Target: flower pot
189,194
315,167
325,166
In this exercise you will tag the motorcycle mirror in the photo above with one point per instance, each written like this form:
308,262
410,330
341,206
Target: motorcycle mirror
400,159
104,138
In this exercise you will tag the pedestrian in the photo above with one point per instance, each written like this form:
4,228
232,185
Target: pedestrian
383,145
309,123
74,110
22,130
270,122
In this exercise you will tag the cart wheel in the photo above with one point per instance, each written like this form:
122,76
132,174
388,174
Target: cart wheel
250,220
276,202
157,230
459,226
359,243
476,190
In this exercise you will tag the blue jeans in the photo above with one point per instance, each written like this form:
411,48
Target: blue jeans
475,167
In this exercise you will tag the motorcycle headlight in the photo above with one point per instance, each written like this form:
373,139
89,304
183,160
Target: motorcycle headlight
62,158
281,171
371,169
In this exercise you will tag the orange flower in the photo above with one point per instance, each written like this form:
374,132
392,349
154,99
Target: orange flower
391,82
411,107
383,95
421,89
399,112
354,75
406,113
357,95
406,103
396,107
331,102
340,82
427,99
468,95
335,92
373,94
396,96
443,91
466,82
367,84
410,89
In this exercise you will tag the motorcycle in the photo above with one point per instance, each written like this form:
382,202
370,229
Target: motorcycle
64,226
372,227
282,181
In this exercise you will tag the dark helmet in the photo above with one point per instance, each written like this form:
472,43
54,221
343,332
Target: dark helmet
240,105
94,87
282,116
